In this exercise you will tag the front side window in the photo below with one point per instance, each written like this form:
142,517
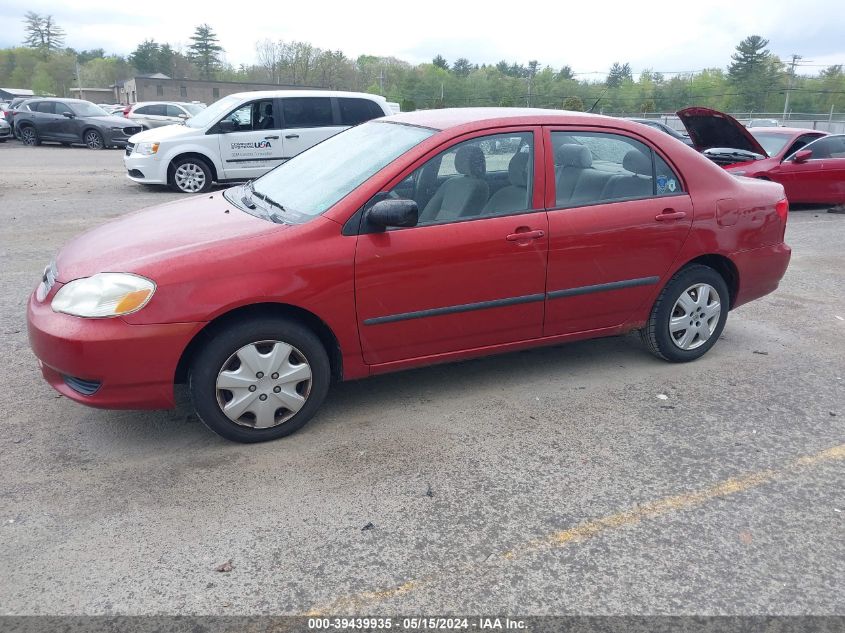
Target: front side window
62,108
257,115
174,111
828,147
483,177
314,180
595,168
800,142
307,112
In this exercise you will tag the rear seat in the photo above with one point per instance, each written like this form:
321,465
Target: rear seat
637,185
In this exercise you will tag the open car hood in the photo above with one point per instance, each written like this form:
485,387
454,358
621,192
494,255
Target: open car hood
710,128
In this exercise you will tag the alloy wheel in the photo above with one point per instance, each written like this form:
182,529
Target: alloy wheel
93,140
263,384
189,177
28,136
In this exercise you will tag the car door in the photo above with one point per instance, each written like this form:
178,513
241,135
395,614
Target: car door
66,123
174,114
307,121
472,272
252,145
821,177
44,118
618,217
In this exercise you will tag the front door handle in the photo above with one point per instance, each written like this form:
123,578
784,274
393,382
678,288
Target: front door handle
525,235
670,214
291,135
270,138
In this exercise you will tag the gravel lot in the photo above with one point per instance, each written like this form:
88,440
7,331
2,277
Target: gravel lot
544,482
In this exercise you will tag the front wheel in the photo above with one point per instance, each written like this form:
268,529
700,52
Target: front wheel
93,140
190,175
259,380
688,316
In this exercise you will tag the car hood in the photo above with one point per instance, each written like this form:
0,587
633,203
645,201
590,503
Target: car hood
166,132
710,128
111,121
158,237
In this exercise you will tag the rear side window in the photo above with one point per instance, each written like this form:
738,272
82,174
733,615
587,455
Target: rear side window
43,106
595,168
307,112
355,111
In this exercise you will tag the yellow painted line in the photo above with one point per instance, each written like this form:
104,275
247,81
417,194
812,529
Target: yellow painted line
593,528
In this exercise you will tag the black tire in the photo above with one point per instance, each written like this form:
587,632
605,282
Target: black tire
215,355
93,140
656,335
29,136
202,181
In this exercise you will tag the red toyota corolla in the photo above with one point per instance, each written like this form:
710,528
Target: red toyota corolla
415,239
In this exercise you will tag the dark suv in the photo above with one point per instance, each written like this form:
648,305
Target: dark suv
72,121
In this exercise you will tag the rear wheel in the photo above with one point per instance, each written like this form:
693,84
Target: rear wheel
190,175
93,140
29,136
259,380
688,316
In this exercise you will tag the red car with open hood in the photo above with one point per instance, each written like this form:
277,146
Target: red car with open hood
414,239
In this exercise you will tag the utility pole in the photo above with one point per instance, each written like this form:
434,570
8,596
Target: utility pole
795,59
381,81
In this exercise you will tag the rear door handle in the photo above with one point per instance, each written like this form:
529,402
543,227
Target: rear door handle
270,138
525,235
291,135
670,214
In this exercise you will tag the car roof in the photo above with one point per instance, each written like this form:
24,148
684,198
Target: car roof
269,94
482,117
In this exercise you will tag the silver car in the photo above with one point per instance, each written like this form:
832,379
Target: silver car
5,129
150,114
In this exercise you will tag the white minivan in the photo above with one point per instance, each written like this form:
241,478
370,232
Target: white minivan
244,135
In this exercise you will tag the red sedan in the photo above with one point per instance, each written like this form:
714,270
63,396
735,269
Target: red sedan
810,164
414,239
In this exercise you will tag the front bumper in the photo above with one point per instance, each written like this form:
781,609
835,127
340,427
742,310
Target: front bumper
107,363
145,169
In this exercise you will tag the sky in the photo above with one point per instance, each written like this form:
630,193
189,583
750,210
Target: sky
588,36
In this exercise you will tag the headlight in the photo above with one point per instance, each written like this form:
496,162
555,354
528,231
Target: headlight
146,149
104,295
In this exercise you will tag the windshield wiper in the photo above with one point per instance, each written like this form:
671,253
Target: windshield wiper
272,214
247,201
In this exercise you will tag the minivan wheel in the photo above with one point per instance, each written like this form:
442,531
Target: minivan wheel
29,136
190,175
688,316
93,140
259,380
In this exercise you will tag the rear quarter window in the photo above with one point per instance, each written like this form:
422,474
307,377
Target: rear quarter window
355,111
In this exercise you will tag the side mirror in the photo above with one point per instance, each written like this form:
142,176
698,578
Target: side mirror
68,115
182,116
225,126
393,213
802,156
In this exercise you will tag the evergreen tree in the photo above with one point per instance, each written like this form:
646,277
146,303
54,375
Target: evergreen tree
43,33
440,62
753,73
462,67
205,51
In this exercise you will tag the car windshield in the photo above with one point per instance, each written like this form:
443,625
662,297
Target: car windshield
772,142
212,113
193,108
85,108
311,182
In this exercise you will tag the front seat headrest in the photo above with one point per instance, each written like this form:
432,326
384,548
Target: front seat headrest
637,162
572,155
469,160
518,169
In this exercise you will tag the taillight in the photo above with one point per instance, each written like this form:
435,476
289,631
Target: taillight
782,209
126,110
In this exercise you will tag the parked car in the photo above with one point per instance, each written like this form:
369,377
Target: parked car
777,154
69,121
243,136
17,105
660,125
116,108
763,123
403,242
5,130
151,114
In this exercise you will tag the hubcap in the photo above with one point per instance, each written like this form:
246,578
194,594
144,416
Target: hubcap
93,140
189,177
263,384
695,316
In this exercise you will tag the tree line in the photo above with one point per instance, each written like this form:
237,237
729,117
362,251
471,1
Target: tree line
755,81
